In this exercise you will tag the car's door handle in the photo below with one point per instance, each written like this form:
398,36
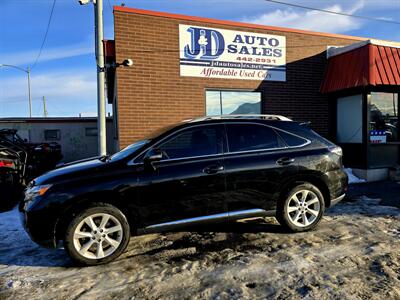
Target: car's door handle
285,161
213,169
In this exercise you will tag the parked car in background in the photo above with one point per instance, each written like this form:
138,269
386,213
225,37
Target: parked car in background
21,161
41,157
204,170
11,170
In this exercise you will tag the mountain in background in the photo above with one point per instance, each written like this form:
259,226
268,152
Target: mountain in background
247,108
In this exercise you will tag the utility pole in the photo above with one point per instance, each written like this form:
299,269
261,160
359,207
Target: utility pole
101,103
44,107
28,71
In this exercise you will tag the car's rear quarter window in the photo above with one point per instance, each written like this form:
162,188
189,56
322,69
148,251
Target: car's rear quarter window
292,140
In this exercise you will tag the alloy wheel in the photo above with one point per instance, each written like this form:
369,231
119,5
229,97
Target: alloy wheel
98,236
303,208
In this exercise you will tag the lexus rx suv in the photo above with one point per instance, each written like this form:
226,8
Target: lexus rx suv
204,170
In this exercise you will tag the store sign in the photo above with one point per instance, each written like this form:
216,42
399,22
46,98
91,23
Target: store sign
219,53
377,136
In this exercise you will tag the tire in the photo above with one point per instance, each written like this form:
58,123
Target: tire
90,229
299,216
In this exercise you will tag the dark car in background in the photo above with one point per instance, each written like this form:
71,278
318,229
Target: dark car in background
203,170
21,161
40,157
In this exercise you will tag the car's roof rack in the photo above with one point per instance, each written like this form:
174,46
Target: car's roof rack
249,116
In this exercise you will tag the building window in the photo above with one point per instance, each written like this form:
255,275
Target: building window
349,119
384,117
91,131
52,135
232,103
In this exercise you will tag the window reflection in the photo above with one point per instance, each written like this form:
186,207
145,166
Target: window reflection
232,103
384,118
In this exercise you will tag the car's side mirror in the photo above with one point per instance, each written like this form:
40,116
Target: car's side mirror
153,155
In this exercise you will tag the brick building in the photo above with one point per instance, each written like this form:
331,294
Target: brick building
189,66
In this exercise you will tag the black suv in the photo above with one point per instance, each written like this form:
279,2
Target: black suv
203,170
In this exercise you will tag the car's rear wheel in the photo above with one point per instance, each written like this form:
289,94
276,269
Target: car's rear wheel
97,235
302,208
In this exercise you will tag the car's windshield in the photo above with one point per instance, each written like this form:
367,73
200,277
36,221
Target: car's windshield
135,146
129,150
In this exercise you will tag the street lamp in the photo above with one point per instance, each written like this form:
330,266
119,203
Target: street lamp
101,103
28,72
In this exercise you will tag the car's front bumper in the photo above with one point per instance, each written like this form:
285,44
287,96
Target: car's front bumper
40,228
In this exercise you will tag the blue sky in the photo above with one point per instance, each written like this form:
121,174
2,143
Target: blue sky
66,72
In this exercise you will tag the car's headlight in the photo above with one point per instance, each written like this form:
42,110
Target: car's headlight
38,190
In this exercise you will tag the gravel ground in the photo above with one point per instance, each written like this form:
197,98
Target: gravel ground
353,254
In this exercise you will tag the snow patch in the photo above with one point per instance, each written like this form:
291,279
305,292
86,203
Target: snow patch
353,178
352,253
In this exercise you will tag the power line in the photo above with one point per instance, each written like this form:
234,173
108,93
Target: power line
109,5
162,51
334,12
45,35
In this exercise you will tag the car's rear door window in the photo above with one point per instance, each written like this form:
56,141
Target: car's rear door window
250,137
197,141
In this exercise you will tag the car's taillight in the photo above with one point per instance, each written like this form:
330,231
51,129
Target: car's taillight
339,152
6,163
336,150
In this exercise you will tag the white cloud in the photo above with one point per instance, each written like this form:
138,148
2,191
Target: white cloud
68,93
78,85
311,20
28,57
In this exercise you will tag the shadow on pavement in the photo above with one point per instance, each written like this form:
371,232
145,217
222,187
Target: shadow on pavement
387,191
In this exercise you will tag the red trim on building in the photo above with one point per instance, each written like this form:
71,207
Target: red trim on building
368,65
230,23
109,48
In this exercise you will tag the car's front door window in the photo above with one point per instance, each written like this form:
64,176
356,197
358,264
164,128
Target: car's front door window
194,142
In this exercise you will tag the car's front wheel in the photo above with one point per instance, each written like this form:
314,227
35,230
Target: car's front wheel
97,235
302,208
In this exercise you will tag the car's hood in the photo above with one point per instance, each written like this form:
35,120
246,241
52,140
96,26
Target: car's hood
62,164
72,170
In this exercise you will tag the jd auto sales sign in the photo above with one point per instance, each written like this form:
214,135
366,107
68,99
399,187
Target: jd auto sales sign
219,53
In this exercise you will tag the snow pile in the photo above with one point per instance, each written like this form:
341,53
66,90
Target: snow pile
10,218
353,178
16,248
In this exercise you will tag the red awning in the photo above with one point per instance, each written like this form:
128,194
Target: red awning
370,64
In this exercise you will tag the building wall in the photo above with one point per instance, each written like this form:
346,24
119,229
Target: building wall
152,93
75,144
